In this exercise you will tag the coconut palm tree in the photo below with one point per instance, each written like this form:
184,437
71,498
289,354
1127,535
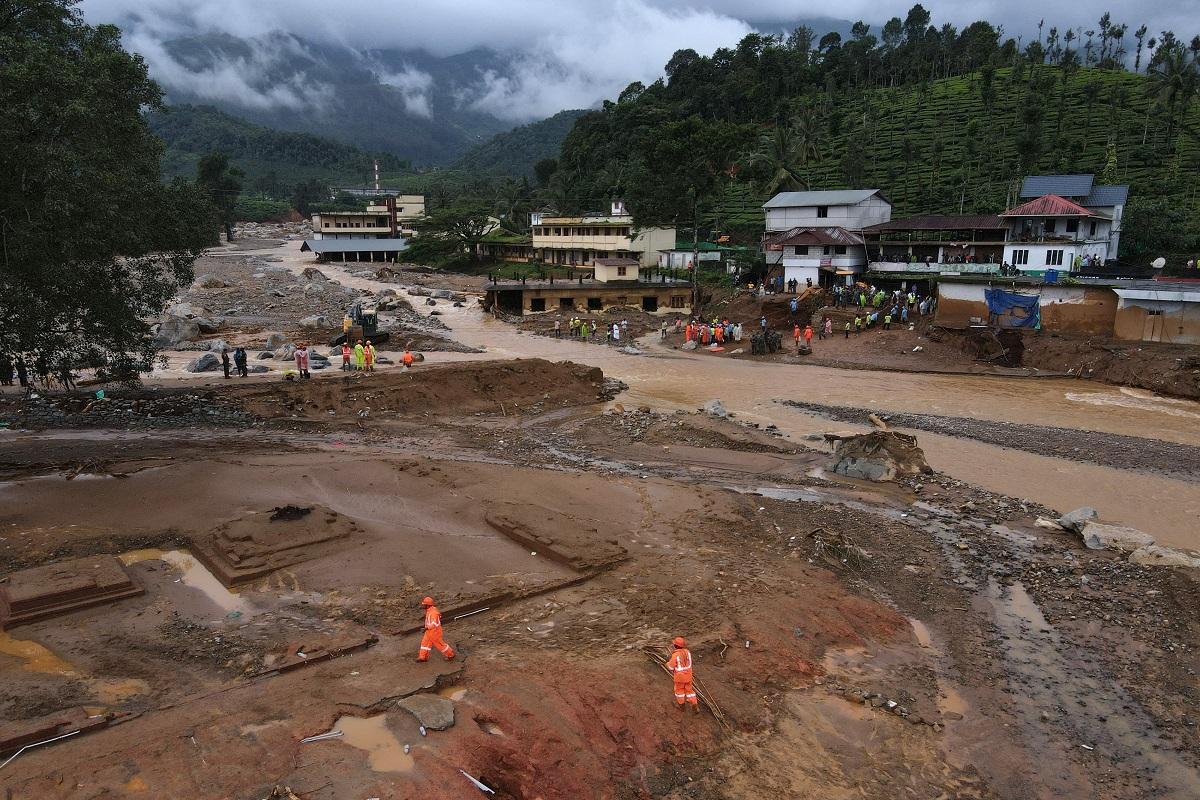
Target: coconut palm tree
1173,82
779,151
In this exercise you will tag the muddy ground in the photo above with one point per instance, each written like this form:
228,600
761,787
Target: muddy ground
919,639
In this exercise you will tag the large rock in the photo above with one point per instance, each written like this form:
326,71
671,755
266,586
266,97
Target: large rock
688,346
314,274
314,322
274,339
877,456
1154,556
210,282
1099,536
264,355
419,291
205,363
207,324
715,408
286,352
257,368
217,345
1075,520
174,331
434,712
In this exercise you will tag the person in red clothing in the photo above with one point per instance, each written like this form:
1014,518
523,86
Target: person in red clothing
680,665
433,633
407,358
346,353
808,333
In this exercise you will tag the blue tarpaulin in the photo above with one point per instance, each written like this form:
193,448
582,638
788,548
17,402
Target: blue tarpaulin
1013,309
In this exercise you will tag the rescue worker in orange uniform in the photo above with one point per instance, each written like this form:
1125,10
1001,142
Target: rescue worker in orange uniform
433,633
680,665
407,358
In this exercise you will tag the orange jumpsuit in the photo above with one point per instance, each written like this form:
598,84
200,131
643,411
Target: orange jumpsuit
433,636
680,665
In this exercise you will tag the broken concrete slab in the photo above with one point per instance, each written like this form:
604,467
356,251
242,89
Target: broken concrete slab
54,589
435,713
1099,536
260,543
558,537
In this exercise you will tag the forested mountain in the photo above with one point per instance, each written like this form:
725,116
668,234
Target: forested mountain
515,152
272,160
941,120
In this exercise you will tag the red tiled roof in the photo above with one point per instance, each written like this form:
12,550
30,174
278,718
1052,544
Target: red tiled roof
1049,205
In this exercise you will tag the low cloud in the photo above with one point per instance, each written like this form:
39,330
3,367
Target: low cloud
415,87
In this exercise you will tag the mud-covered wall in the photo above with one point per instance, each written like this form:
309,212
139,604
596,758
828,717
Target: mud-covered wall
1158,321
1066,309
578,298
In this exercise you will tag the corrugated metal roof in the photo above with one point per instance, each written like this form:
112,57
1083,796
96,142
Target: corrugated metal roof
1107,196
833,197
814,236
940,222
1049,206
353,245
1061,185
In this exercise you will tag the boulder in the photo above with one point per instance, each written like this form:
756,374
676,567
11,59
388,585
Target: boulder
804,350
429,301
419,291
715,408
1075,520
264,355
217,345
207,324
442,294
286,352
210,282
630,350
877,456
257,368
314,274
688,346
1152,555
1100,536
174,331
384,294
205,363
434,712
314,322
275,339
418,357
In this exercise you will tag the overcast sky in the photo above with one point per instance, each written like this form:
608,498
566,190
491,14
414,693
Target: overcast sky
562,53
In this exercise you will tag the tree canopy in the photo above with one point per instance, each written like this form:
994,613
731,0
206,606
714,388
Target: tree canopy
223,185
92,242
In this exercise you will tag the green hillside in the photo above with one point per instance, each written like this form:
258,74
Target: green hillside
267,156
770,115
515,152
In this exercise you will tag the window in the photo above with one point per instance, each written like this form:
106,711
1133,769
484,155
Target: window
621,271
594,304
822,212
826,250
1020,257
1050,226
677,301
1054,258
840,249
1072,226
1092,228
797,249
537,304
1154,312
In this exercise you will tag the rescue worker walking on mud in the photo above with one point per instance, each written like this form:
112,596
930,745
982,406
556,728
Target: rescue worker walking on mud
680,665
433,633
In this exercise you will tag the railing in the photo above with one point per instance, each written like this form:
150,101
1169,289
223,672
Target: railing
936,267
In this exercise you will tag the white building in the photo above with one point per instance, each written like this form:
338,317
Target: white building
580,240
393,218
815,235
1106,202
1054,233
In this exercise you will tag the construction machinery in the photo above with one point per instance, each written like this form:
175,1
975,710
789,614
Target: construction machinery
360,324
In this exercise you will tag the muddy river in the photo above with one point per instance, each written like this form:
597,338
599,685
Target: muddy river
1167,508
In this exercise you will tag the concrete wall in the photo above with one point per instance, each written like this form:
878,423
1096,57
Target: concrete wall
1066,309
1149,320
610,297
649,241
607,272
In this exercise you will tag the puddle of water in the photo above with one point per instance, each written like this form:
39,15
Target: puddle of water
384,751
453,693
194,574
921,631
36,657
950,701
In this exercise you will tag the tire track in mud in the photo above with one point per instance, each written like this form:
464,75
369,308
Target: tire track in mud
1134,453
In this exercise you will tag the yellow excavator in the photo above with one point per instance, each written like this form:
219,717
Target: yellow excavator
360,324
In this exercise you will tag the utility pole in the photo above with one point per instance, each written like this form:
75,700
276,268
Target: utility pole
377,176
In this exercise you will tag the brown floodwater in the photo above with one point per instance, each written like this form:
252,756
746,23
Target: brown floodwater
1164,507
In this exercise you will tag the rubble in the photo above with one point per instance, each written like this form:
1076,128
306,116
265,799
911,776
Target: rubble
433,712
879,455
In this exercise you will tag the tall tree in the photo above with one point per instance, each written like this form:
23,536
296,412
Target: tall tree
1140,35
92,243
223,183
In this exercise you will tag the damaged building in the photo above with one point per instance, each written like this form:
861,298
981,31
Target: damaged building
611,283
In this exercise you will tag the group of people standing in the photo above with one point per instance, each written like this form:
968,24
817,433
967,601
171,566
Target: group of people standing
716,331
363,355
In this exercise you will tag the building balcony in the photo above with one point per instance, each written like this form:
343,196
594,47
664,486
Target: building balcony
604,243
934,268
